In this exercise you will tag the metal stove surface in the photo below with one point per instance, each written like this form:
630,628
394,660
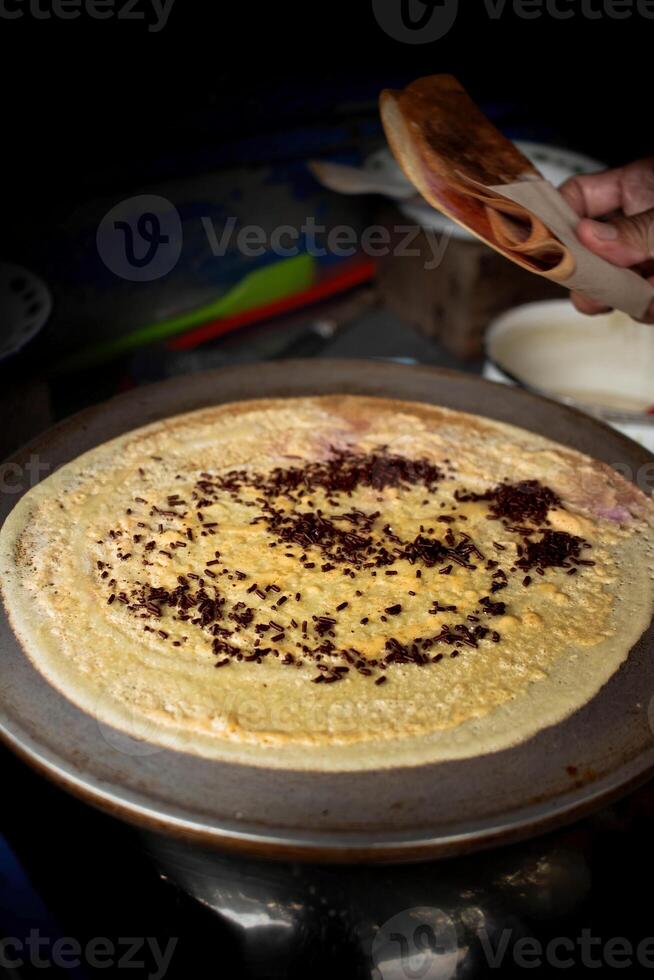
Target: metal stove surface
570,900
72,879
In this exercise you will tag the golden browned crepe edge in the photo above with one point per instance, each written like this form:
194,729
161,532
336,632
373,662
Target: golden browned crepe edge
509,725
417,160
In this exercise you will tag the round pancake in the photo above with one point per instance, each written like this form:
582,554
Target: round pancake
330,583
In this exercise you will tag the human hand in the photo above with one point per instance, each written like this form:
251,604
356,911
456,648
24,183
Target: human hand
625,197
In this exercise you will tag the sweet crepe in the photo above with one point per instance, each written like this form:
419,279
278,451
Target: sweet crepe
329,583
455,157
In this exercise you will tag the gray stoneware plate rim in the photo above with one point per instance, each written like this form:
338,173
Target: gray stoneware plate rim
390,815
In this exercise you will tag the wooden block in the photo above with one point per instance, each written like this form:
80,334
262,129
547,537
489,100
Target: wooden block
455,301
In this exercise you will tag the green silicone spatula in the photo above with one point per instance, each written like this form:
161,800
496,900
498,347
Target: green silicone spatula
272,282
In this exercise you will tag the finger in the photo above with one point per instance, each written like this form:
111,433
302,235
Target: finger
584,304
590,307
622,241
593,195
638,187
629,189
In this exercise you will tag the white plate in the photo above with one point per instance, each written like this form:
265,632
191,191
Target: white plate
603,365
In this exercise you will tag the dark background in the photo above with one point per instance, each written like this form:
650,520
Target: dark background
91,105
92,109
96,110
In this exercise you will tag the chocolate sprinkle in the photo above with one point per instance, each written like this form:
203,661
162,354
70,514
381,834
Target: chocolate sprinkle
352,542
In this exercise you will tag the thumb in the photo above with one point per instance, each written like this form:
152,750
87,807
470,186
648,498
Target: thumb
622,241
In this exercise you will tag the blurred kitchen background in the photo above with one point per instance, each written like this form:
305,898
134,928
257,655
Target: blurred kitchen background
219,113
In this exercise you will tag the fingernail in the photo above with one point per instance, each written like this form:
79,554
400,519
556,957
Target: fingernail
604,231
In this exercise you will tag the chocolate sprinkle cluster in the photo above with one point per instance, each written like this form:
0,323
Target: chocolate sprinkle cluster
523,508
358,544
528,500
555,549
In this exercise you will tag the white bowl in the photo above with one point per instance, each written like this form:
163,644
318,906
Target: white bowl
603,365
